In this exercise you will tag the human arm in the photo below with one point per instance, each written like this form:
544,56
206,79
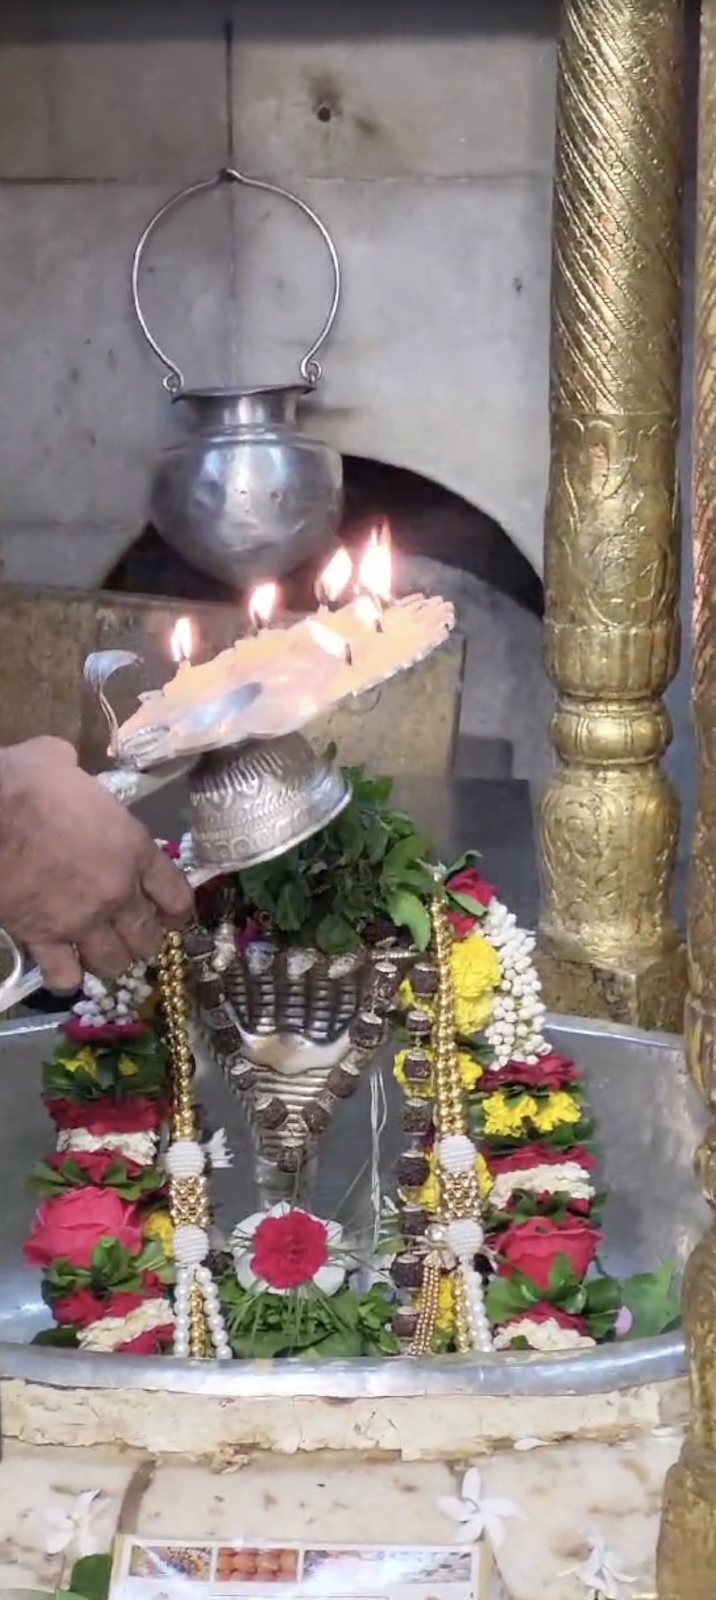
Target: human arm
83,886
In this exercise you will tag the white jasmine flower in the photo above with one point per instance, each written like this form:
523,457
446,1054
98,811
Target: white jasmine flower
548,1336
73,1532
477,1515
139,1147
109,1332
601,1573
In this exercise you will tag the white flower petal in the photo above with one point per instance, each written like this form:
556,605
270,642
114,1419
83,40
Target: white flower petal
502,1508
329,1277
494,1528
471,1532
58,1541
472,1485
245,1274
244,1231
457,1510
335,1235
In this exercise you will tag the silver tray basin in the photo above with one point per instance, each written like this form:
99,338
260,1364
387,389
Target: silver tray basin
649,1121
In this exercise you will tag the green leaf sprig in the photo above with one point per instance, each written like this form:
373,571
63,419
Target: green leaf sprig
368,871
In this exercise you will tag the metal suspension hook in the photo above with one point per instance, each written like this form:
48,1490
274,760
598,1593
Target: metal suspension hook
309,368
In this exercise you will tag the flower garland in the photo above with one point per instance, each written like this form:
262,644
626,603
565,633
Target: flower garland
532,1152
102,1236
498,1219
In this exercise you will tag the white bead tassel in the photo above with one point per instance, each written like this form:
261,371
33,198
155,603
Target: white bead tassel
186,1159
201,1275
477,1315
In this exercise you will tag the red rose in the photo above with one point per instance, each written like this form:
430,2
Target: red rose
137,1114
71,1224
468,882
532,1247
171,849
152,1285
94,1164
538,1155
81,1032
79,1309
544,1312
149,1343
289,1250
550,1072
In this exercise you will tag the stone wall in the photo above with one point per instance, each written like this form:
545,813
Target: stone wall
421,135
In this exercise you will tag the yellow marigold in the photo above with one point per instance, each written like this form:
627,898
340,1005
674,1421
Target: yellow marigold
445,1319
484,1176
84,1061
416,1089
507,1117
476,974
127,1067
470,1070
158,1225
559,1108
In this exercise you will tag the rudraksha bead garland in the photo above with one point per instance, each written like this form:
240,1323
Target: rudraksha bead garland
454,1237
200,1328
297,1130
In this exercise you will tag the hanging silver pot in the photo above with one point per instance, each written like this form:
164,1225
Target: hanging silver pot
245,496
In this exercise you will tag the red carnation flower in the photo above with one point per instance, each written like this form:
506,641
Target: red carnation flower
95,1164
289,1250
172,849
79,1309
468,882
149,1343
70,1225
550,1072
532,1247
137,1114
81,1032
544,1312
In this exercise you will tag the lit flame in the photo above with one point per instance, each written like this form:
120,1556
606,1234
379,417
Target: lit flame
335,577
262,604
375,572
368,611
182,640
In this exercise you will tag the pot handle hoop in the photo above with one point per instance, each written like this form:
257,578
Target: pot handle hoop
310,368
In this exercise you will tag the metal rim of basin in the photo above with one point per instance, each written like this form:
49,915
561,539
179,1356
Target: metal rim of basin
603,1369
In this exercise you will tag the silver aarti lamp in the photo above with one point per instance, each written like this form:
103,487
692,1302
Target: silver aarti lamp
293,1030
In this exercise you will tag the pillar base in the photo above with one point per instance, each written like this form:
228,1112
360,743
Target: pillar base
644,994
686,1558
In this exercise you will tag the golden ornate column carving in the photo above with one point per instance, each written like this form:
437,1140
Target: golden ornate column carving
687,1547
609,818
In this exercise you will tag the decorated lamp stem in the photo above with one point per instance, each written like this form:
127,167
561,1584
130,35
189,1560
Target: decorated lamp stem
199,1321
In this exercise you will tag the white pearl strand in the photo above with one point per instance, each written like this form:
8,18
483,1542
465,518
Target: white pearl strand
201,1275
515,1027
476,1314
464,1238
186,1159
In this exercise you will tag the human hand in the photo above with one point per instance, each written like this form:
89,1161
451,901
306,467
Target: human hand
83,886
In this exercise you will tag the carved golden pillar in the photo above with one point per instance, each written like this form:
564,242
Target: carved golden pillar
609,817
687,1547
